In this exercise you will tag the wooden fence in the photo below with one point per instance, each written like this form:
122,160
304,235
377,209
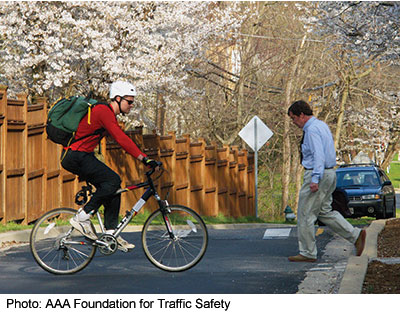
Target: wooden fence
210,179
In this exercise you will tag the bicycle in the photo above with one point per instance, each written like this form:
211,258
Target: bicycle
174,237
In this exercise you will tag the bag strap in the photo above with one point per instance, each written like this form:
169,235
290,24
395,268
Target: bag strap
97,132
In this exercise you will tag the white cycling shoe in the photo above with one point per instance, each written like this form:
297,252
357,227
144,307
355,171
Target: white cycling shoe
81,222
123,245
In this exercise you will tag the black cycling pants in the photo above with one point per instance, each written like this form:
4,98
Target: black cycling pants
106,181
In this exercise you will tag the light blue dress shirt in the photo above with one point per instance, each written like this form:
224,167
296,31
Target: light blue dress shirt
318,148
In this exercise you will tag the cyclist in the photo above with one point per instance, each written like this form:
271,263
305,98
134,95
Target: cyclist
79,159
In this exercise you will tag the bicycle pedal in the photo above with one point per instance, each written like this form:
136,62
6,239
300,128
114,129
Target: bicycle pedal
123,249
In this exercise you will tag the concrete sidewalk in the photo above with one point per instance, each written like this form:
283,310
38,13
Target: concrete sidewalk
14,237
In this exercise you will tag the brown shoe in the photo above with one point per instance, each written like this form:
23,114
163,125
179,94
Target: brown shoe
360,243
301,258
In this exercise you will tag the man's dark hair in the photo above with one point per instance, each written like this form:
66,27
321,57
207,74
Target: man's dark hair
299,107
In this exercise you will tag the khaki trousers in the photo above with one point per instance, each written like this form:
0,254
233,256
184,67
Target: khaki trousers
317,205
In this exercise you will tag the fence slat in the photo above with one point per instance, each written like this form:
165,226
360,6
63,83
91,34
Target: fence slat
15,159
3,103
210,180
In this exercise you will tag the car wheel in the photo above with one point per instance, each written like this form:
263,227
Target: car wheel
386,215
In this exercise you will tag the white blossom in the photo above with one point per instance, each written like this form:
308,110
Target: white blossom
51,46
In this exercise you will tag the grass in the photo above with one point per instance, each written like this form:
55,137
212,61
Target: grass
141,218
270,199
13,226
394,174
220,219
361,221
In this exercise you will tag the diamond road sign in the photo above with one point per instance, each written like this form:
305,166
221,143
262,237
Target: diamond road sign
255,133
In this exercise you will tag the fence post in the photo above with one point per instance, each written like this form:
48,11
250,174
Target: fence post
223,180
167,157
24,98
172,168
182,170
196,176
3,129
54,179
251,184
152,150
210,177
233,182
36,152
243,183
15,207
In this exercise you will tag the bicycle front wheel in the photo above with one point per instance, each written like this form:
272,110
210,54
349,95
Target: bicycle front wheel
184,247
56,246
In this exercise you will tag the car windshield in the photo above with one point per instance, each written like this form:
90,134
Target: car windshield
357,177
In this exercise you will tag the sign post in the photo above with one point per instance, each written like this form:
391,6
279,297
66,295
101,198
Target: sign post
256,134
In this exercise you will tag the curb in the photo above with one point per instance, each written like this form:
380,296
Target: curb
356,268
24,235
15,236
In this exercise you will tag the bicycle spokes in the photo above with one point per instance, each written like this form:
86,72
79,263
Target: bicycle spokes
57,247
181,246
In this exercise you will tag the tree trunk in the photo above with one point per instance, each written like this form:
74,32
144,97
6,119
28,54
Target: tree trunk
160,114
297,175
393,147
343,101
286,156
286,161
348,81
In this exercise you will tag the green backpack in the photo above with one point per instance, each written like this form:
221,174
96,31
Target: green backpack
64,116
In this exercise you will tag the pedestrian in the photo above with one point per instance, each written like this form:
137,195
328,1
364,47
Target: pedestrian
318,157
79,158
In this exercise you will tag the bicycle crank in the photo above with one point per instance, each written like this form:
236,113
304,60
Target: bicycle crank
107,244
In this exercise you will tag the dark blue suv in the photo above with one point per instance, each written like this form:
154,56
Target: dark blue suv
370,191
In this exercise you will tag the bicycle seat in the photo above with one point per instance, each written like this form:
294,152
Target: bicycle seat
81,179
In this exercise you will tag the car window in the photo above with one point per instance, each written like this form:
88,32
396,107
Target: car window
370,178
383,176
357,178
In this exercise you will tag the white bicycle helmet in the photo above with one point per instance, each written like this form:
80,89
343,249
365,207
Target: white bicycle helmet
121,88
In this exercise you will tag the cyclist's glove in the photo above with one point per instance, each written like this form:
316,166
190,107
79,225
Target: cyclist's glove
151,163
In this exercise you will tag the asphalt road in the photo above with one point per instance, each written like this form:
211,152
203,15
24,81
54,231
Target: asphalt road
237,261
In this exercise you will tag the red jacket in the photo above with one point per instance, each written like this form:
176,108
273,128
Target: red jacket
102,116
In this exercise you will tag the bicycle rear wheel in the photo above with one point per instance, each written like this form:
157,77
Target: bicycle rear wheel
57,247
181,250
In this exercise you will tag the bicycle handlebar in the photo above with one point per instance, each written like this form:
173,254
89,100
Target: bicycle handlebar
152,170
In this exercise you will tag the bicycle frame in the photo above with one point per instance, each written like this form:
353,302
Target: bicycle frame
130,214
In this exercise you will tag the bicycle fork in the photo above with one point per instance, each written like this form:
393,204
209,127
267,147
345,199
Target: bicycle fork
165,211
